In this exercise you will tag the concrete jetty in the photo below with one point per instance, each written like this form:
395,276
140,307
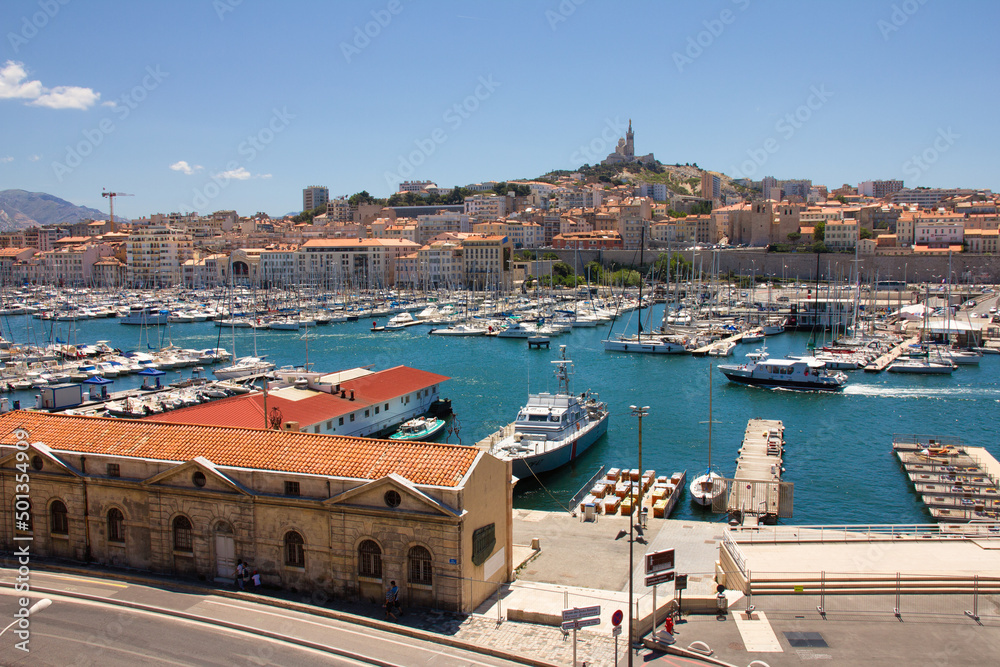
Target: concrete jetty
756,488
703,351
955,482
882,362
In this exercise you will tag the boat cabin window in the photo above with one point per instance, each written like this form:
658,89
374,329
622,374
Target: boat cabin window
536,418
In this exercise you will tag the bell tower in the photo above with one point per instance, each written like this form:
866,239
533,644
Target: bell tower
629,143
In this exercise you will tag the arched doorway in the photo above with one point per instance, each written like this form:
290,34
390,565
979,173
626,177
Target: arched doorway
225,552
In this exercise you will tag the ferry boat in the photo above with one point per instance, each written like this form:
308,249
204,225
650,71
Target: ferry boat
808,373
551,429
420,428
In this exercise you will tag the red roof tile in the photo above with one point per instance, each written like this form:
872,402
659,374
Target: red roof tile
247,411
307,453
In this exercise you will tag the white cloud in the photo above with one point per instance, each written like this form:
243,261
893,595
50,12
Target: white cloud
34,158
13,85
240,174
67,97
185,168
6,159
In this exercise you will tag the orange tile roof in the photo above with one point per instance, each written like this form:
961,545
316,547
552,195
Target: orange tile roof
247,411
306,453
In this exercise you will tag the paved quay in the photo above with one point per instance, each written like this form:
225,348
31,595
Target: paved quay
584,564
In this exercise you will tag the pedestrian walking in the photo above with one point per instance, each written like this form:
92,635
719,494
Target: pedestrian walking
256,580
239,573
391,602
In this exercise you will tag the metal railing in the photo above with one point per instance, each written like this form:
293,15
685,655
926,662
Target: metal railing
859,533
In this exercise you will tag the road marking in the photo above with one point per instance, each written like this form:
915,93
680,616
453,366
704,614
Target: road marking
758,637
146,657
329,626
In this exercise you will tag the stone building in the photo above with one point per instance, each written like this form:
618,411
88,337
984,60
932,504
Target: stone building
309,512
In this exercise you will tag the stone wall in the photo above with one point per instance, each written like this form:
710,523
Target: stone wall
964,268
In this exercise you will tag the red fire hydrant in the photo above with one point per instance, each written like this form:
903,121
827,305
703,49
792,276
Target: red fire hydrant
668,625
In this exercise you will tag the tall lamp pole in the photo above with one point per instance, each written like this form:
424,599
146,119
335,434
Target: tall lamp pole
640,413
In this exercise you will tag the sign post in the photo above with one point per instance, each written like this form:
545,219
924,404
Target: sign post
616,621
659,570
680,585
580,617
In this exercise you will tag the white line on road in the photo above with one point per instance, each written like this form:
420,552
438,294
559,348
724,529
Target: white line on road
758,637
327,626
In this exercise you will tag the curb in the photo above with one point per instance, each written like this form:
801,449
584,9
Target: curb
345,617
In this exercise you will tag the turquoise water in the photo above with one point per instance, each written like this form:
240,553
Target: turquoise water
838,446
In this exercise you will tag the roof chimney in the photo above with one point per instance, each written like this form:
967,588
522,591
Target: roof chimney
343,393
352,394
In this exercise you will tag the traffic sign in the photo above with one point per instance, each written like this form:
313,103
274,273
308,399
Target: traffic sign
658,561
616,618
578,623
615,631
659,578
581,612
681,582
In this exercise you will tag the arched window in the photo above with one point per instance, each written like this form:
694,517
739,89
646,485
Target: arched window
295,554
58,519
420,566
370,559
116,525
182,534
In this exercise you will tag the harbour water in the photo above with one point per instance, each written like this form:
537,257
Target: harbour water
838,446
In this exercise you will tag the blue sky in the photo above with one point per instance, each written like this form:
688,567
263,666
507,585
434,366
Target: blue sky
206,105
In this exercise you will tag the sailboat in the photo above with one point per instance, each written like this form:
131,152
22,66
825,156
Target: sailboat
646,342
705,488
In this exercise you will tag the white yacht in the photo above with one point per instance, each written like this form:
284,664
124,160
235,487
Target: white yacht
243,367
551,429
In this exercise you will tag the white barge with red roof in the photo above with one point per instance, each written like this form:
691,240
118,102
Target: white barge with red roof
352,402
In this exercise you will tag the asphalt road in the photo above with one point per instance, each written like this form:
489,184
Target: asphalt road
74,632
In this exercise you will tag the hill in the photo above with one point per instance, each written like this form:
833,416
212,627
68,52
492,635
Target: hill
681,179
20,209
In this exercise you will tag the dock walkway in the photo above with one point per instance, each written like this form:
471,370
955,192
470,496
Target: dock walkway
758,470
703,351
955,482
882,362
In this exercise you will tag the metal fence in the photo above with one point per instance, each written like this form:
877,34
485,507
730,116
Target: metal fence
829,594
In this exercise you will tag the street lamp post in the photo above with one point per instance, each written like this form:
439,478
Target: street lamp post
640,413
38,606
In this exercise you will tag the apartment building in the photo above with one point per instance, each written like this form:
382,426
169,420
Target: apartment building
981,241
589,240
490,206
156,254
487,261
879,189
315,196
361,263
841,234
711,186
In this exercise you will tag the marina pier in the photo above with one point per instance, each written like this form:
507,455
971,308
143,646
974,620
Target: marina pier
756,489
955,482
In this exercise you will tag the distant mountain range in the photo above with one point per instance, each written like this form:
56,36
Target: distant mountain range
20,209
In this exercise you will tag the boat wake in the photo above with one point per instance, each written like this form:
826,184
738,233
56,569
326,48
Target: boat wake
960,393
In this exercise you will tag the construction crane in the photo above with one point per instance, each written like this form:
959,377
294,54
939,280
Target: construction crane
111,199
